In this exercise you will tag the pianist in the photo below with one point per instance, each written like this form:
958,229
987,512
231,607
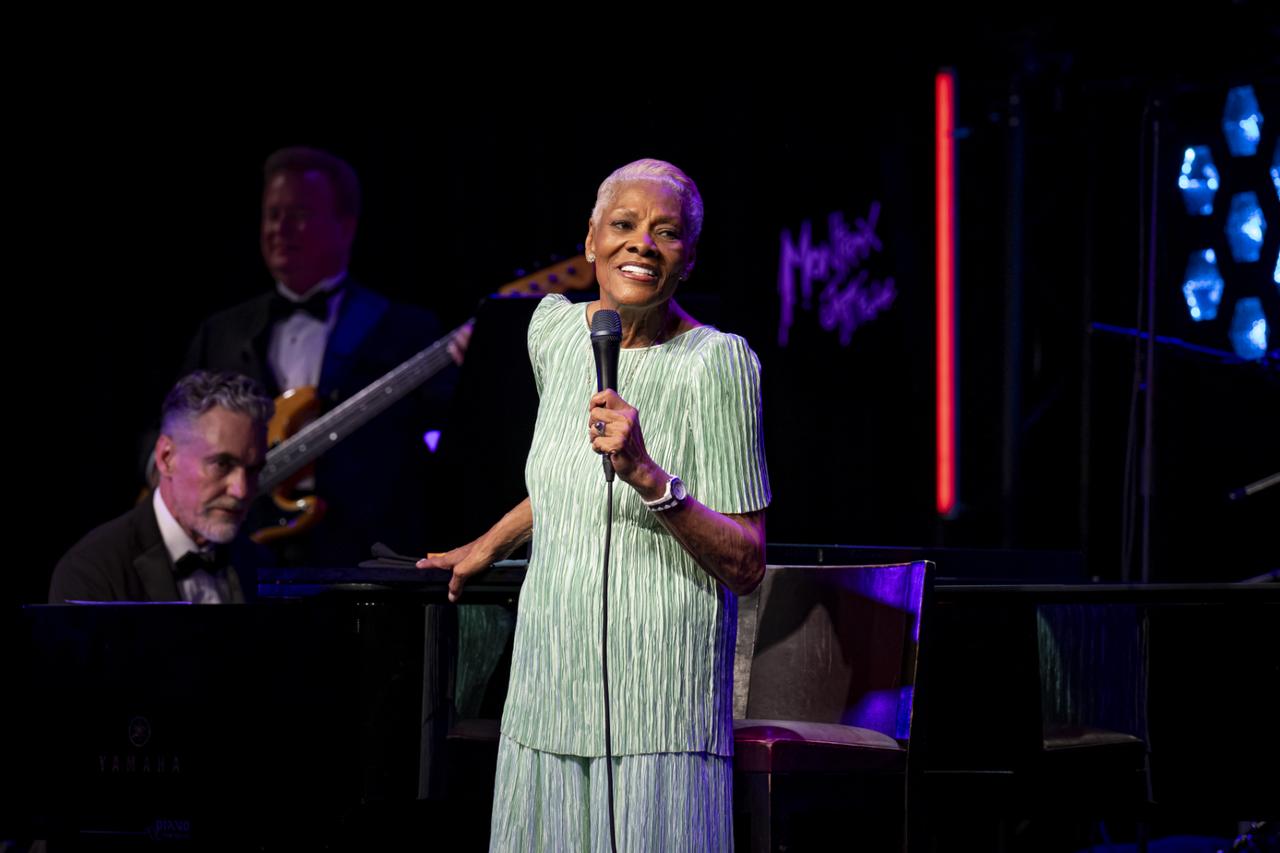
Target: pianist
171,546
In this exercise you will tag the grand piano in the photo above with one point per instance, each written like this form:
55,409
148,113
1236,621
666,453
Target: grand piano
319,713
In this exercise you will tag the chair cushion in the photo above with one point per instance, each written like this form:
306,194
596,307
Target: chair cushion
476,729
789,746
1081,737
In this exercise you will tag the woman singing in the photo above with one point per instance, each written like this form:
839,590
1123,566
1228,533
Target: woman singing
683,432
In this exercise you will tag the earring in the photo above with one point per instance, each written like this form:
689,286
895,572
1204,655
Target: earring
591,257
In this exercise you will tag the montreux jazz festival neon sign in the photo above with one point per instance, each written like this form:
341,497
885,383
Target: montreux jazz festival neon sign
850,297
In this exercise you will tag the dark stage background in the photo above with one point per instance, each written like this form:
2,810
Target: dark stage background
139,216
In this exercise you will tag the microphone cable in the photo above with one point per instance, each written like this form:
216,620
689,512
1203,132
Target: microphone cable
604,658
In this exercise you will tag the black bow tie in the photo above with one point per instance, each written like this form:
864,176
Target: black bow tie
212,561
282,307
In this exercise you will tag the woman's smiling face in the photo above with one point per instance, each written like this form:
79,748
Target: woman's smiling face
639,244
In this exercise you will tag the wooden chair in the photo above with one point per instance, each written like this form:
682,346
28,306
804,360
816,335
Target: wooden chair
823,699
1031,720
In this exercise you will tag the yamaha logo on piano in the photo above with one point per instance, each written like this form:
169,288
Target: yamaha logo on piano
139,735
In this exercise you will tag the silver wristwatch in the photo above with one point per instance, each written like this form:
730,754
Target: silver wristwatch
674,494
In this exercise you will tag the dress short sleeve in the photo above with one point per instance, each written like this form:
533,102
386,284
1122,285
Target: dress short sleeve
550,309
728,432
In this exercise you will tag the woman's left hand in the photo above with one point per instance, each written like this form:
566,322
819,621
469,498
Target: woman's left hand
614,428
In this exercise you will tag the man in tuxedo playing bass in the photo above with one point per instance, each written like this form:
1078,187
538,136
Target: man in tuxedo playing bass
317,327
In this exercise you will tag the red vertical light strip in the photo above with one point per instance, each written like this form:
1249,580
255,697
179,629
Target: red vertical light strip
945,285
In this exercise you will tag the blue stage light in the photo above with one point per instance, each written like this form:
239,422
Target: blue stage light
1246,227
1198,181
1249,329
1242,121
1202,285
1275,168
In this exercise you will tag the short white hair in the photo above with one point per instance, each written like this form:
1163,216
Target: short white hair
661,172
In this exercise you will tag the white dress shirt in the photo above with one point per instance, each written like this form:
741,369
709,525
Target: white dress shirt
199,587
295,351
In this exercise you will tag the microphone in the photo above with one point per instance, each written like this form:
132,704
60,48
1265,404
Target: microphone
606,340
